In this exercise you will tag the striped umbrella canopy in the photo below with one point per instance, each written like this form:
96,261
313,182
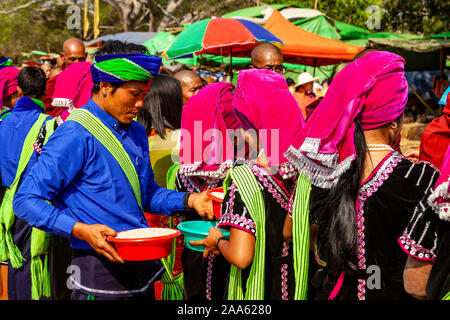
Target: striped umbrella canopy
221,36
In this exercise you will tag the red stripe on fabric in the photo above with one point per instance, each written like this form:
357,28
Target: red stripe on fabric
226,32
376,168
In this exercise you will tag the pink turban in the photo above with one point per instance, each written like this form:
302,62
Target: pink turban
373,88
8,82
263,103
207,121
73,88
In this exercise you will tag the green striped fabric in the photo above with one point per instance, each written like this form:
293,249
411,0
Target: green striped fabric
8,250
172,286
300,225
447,296
171,176
40,240
112,144
252,197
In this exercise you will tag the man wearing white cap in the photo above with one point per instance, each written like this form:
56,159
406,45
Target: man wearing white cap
304,91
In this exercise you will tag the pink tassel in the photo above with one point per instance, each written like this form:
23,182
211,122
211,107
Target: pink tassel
337,287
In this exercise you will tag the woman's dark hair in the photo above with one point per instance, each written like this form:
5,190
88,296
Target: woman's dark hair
32,81
339,247
117,47
290,82
163,105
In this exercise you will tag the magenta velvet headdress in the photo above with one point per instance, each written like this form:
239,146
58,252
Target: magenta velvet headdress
263,103
373,88
8,82
73,88
207,124
440,198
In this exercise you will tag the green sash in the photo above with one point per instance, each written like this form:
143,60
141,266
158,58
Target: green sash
300,226
252,197
172,286
40,240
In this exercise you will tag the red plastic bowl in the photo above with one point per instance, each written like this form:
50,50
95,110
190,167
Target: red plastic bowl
217,202
143,249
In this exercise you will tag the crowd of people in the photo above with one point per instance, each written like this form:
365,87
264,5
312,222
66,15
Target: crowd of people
319,201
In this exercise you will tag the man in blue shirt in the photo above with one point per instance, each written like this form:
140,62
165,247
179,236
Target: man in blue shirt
91,194
14,129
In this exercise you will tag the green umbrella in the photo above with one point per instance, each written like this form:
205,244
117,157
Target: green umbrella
445,35
39,53
319,25
348,31
159,43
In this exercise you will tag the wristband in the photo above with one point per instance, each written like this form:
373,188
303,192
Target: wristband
185,201
218,240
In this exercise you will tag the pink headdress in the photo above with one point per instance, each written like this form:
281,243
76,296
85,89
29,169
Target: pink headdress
373,88
263,103
440,198
73,88
8,82
207,121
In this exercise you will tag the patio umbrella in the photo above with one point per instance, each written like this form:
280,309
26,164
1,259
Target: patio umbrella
221,36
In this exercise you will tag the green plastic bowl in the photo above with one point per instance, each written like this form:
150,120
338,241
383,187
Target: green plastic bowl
198,230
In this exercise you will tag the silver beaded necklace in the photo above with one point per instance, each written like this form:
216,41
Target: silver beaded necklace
379,147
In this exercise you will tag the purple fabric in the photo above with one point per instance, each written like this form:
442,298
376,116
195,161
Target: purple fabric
73,88
373,88
204,123
263,102
8,82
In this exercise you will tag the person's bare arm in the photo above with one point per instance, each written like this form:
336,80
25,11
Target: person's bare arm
287,228
239,250
415,277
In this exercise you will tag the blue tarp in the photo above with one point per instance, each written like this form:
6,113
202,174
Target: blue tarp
131,37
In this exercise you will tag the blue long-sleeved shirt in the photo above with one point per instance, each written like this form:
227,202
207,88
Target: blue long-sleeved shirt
86,184
14,129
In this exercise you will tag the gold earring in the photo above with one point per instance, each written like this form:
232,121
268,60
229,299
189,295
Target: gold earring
394,125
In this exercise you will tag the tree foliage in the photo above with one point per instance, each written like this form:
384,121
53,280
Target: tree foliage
422,17
42,24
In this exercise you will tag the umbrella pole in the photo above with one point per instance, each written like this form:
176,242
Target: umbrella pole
231,65
314,71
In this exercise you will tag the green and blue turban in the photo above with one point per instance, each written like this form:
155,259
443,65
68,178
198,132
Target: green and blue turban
5,62
125,67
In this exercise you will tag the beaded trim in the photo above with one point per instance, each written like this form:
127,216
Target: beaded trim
193,170
414,249
62,102
365,192
272,185
443,208
234,220
209,276
284,273
237,221
287,171
322,170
